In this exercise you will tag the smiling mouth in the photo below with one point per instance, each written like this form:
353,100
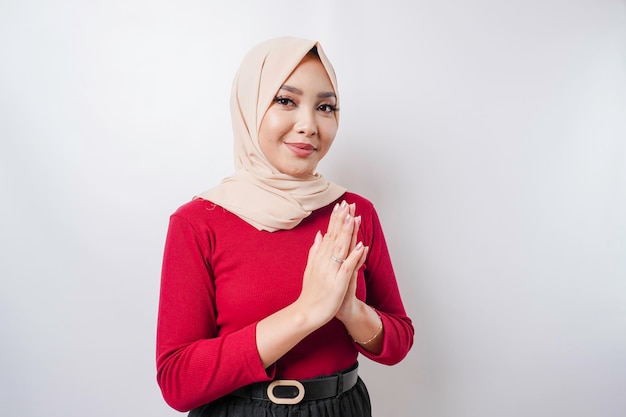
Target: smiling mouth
301,149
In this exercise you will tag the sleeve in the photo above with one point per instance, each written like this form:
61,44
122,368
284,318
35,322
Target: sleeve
194,365
383,295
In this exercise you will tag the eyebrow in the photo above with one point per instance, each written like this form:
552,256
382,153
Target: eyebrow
294,90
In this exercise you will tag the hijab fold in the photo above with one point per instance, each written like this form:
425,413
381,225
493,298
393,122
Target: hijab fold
257,192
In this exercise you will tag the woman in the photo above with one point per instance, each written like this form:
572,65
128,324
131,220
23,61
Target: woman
274,281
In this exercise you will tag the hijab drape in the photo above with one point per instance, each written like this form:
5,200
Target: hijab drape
258,192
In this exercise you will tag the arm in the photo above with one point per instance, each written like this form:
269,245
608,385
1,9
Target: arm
194,364
197,365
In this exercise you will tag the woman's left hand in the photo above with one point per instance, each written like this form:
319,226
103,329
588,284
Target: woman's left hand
362,322
349,307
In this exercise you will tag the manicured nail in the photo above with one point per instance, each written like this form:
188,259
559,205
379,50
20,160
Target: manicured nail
336,207
343,204
359,246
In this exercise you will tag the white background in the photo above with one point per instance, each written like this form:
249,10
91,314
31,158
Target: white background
489,134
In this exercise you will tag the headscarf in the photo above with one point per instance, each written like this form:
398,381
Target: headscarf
258,192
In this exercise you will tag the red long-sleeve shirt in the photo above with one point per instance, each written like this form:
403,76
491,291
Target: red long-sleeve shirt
221,276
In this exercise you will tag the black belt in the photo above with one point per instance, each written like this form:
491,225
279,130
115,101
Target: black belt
290,391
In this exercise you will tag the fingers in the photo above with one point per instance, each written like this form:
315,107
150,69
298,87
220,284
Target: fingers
341,235
337,218
340,211
333,249
355,260
355,231
334,261
363,257
317,242
359,263
348,236
341,245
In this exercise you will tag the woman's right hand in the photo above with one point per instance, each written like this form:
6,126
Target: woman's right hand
326,277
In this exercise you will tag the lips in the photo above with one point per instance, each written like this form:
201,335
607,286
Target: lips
301,149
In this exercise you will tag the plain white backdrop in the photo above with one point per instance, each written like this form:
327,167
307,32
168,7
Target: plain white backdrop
489,134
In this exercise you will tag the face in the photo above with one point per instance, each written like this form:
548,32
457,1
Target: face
300,125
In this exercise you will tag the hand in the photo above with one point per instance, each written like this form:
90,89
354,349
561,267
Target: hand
325,288
326,280
349,307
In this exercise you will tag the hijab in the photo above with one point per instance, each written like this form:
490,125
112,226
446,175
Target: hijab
258,192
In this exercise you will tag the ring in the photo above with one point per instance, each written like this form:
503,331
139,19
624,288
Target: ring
334,258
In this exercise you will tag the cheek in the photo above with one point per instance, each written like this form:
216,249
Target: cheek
272,127
328,130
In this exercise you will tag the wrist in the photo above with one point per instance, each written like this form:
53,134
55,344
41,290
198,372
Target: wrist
366,327
308,317
375,336
351,312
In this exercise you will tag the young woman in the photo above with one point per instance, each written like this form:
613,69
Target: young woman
275,281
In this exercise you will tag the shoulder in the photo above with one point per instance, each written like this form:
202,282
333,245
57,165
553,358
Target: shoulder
205,221
194,208
201,213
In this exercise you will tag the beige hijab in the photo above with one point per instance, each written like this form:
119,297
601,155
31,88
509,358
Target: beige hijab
257,192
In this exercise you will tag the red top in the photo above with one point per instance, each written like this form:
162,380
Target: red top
221,276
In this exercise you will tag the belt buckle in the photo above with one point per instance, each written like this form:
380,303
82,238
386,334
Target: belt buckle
285,382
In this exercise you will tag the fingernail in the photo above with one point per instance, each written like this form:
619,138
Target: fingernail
358,219
348,219
336,207
359,246
343,204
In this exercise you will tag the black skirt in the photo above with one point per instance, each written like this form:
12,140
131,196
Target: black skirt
353,403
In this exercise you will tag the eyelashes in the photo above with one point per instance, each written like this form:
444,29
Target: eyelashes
288,102
328,108
284,101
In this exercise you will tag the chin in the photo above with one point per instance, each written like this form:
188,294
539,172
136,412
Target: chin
300,173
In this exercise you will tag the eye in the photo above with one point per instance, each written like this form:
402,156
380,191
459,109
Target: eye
327,108
284,101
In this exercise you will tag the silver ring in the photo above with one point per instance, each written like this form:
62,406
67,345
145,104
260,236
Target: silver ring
334,258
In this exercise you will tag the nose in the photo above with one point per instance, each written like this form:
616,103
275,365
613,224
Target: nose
306,123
